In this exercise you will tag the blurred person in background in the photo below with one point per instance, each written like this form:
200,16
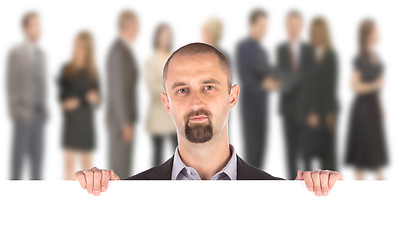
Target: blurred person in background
159,123
255,81
212,34
320,135
79,95
366,146
26,92
122,76
296,60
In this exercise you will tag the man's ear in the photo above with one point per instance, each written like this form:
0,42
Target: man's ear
165,102
234,95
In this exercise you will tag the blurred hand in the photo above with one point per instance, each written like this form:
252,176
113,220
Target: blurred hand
312,120
127,133
330,121
94,180
270,84
319,181
93,97
71,104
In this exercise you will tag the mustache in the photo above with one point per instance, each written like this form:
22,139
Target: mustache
197,113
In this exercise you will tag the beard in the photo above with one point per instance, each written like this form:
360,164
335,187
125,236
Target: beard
198,132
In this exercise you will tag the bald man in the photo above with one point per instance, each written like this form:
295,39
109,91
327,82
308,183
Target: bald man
198,96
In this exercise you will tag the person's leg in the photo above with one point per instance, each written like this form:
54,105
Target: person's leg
36,146
291,146
69,164
157,142
119,154
360,174
18,150
253,141
86,159
380,174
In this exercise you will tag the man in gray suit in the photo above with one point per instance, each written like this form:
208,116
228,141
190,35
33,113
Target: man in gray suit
26,98
122,109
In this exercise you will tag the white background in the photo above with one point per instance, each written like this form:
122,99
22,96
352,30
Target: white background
62,20
197,210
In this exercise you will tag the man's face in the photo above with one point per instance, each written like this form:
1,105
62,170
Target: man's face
198,98
131,30
294,26
259,27
33,29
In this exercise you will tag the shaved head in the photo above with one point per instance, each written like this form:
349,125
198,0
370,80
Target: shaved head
193,49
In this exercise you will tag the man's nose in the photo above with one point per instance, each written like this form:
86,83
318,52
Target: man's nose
196,100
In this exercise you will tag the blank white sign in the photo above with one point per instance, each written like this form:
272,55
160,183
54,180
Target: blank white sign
197,210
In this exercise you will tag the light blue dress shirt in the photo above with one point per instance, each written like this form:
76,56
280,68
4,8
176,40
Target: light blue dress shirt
181,172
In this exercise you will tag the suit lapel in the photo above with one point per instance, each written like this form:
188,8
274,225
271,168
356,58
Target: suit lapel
163,171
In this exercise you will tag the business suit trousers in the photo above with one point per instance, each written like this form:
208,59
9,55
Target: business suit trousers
28,142
120,153
158,141
255,141
292,135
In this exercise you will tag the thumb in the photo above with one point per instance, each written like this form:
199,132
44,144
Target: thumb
299,175
113,176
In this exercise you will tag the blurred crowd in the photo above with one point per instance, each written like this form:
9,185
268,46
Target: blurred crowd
305,76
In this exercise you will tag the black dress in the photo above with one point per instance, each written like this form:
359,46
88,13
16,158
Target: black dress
366,142
320,141
78,127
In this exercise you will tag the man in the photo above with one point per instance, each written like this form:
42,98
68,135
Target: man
295,60
198,96
253,67
27,99
122,109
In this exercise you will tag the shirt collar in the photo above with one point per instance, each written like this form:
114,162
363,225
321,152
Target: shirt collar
230,169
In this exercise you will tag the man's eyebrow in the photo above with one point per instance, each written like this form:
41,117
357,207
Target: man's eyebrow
178,84
211,80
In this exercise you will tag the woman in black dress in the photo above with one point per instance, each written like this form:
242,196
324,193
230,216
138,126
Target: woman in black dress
366,149
321,123
79,94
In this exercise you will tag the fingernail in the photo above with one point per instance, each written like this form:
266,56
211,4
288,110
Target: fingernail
318,193
90,190
311,189
103,189
325,193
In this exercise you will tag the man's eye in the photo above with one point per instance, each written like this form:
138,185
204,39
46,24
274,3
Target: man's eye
209,88
182,90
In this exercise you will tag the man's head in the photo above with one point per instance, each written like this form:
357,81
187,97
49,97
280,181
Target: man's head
198,92
31,26
128,25
294,25
258,24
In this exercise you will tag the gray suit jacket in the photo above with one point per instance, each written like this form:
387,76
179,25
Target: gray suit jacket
21,89
122,77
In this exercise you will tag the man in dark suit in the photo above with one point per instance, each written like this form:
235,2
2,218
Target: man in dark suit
254,74
295,60
198,96
122,109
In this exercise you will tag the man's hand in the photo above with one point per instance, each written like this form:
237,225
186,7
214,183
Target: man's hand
127,133
319,181
313,120
94,180
270,84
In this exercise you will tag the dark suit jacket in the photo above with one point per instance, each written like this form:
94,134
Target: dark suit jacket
296,99
122,75
163,172
324,85
253,67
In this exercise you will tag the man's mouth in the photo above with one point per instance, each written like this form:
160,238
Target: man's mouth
198,119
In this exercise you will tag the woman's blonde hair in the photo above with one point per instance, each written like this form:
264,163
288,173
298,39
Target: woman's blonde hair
320,22
214,27
86,40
